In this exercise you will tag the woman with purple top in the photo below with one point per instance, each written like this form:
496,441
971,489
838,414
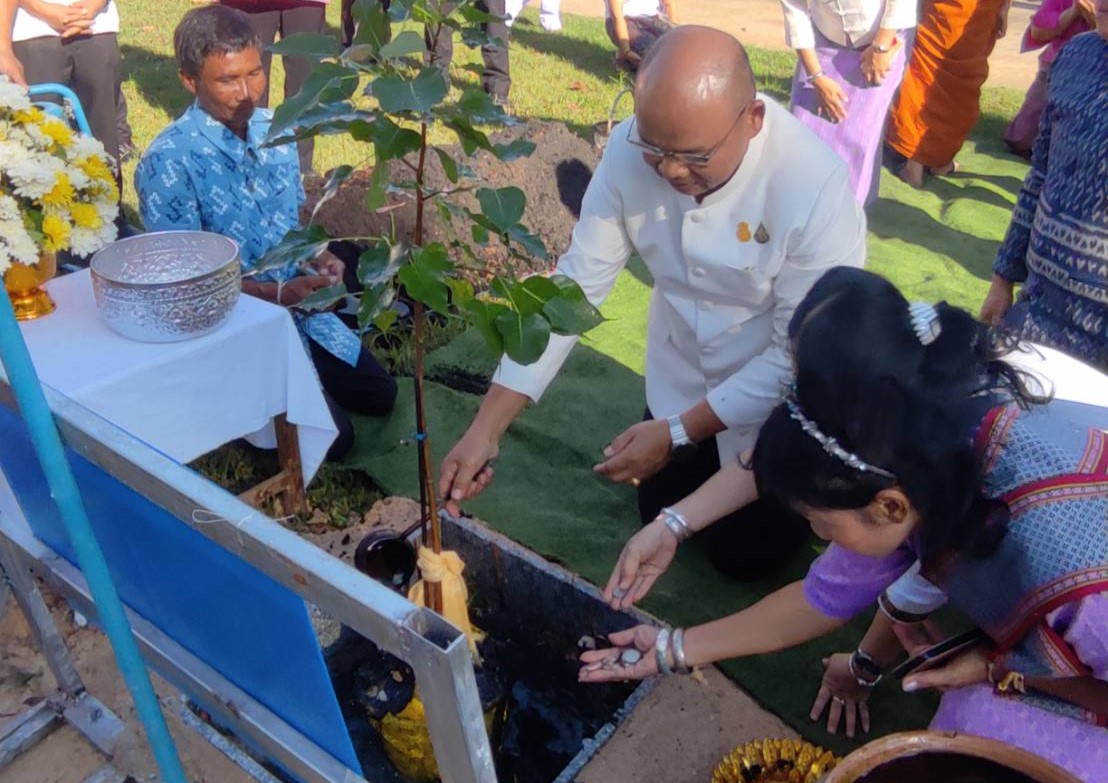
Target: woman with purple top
851,57
906,439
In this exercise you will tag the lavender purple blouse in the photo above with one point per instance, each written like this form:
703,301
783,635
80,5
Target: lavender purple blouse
841,584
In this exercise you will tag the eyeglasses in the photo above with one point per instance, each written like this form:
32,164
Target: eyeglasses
694,159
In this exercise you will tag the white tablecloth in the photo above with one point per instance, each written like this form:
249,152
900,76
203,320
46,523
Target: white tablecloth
190,397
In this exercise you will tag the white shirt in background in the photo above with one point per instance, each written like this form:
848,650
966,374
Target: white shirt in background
848,23
722,299
25,26
636,8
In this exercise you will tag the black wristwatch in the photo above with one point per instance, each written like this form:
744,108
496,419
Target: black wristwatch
865,669
681,446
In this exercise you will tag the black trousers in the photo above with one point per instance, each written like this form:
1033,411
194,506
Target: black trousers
365,388
308,19
751,543
88,65
496,79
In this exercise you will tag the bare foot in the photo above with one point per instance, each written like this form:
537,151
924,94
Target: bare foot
943,171
912,173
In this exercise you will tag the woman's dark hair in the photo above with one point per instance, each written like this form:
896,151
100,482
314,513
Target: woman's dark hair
213,29
866,379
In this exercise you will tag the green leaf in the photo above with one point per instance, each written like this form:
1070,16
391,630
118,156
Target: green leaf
315,46
449,165
520,148
469,137
461,292
371,21
525,336
328,83
530,242
322,120
375,301
377,195
503,206
380,262
357,53
445,215
408,42
433,257
423,286
420,95
385,319
483,315
480,233
323,298
338,175
390,141
477,106
537,290
295,248
570,312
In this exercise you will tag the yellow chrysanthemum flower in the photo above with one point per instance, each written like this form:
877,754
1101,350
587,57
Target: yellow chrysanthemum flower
61,195
57,131
31,116
85,216
56,232
96,168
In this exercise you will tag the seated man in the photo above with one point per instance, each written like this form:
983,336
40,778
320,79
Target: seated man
736,209
210,171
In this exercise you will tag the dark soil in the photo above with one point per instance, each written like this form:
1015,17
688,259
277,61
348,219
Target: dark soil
553,179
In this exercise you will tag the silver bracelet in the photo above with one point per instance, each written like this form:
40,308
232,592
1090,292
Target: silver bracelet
679,651
676,522
815,76
661,652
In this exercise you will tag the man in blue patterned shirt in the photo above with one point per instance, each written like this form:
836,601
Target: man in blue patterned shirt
209,170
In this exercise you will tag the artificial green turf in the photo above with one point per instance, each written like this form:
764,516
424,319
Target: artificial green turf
937,243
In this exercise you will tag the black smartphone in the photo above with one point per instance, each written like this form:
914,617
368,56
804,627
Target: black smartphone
937,653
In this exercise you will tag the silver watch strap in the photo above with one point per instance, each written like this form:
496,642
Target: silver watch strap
677,434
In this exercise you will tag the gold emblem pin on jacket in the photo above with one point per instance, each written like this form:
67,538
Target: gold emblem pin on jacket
744,232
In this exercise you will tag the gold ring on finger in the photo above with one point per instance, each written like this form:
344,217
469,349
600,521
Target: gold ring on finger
635,482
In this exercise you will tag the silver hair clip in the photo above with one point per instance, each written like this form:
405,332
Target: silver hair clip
925,322
830,445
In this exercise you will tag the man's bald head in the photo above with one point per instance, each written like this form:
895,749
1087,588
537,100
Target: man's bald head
695,97
695,66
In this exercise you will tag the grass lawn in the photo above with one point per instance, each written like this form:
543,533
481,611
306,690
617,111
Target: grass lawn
936,243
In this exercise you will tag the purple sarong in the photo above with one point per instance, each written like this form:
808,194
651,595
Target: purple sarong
858,138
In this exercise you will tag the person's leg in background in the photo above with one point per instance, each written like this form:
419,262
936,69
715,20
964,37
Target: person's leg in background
266,24
750,543
306,19
123,131
496,79
364,388
550,15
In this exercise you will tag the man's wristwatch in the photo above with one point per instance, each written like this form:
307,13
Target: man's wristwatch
681,446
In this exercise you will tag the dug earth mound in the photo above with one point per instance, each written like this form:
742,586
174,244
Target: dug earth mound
553,179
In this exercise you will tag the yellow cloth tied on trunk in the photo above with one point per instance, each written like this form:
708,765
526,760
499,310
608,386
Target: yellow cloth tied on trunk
446,569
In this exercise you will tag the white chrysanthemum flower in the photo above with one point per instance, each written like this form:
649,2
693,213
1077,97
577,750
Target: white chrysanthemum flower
77,178
12,96
9,208
39,139
35,176
85,241
11,152
16,244
107,210
84,147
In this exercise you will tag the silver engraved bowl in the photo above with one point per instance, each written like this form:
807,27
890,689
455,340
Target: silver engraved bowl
167,286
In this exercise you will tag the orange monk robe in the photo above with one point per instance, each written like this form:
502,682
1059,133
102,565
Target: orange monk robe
938,103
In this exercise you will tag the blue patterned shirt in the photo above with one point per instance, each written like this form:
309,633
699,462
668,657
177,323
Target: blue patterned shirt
199,175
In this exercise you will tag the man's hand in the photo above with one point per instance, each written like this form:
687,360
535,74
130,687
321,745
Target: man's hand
330,267
644,558
606,666
11,67
841,690
876,65
637,453
832,99
298,289
71,19
467,469
997,302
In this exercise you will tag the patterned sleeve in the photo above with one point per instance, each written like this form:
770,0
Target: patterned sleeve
1011,258
166,196
841,583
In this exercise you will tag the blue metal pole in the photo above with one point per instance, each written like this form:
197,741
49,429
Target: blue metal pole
63,488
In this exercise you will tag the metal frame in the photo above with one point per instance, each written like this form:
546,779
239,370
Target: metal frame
437,652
